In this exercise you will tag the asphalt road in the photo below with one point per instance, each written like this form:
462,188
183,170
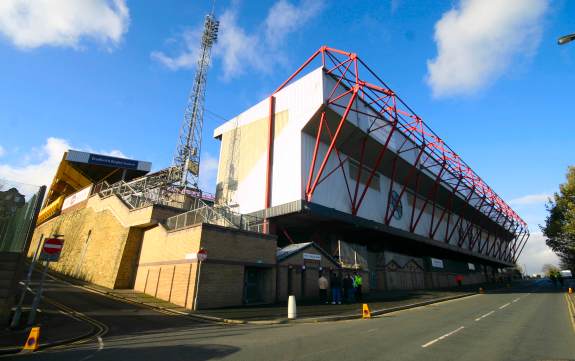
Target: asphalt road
531,323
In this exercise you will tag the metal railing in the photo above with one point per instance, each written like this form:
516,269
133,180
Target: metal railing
218,215
135,194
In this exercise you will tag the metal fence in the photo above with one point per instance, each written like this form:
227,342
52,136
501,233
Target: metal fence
166,196
19,204
218,215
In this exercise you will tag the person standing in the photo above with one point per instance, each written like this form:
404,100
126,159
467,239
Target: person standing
357,282
335,283
348,289
322,284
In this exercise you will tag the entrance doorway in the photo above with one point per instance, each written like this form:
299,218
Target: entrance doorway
253,285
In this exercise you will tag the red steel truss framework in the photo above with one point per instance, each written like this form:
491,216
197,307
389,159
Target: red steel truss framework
355,81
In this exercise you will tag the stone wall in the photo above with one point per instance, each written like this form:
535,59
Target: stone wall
94,244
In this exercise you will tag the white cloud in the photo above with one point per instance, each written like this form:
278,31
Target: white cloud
239,49
284,18
529,199
34,23
2,151
188,54
536,254
42,163
114,153
236,48
478,40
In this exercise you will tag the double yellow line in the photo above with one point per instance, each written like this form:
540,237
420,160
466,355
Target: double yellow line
100,328
571,308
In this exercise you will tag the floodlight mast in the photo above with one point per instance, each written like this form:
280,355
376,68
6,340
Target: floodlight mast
187,157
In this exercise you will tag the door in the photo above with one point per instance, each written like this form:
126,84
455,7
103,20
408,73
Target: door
253,284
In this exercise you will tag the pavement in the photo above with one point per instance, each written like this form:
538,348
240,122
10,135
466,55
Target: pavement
530,322
307,311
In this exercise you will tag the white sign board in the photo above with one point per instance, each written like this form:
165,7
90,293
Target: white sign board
312,256
201,256
437,263
471,266
191,256
77,197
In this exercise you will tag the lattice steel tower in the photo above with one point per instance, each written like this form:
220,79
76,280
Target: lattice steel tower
187,157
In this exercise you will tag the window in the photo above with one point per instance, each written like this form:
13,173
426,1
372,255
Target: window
365,172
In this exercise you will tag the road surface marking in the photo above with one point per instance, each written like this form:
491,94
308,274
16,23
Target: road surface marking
571,311
485,315
100,343
442,337
505,305
373,329
517,299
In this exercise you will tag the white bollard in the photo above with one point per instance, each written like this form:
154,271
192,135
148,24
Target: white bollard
292,311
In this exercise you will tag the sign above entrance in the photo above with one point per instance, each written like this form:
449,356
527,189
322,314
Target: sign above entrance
312,256
437,263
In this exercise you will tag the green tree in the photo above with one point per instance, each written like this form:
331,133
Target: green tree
559,228
549,270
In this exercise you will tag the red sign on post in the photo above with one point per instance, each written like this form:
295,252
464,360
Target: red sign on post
202,255
52,248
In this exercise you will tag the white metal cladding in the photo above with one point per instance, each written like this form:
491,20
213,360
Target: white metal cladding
293,151
301,99
76,156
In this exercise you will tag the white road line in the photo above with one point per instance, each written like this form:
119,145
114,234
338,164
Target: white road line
372,330
485,315
517,299
442,337
505,305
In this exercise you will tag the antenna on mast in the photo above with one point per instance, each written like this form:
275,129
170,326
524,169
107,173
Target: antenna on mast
187,157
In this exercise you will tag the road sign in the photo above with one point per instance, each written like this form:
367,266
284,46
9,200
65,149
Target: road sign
52,249
202,255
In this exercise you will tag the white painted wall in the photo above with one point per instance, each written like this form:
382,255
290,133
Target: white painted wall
293,151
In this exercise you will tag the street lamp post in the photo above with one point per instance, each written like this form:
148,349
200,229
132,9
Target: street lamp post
566,39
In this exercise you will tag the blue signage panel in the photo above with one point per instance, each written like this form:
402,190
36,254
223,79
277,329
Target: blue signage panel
112,161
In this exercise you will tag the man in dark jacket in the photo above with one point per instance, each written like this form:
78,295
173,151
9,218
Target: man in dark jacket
335,283
348,289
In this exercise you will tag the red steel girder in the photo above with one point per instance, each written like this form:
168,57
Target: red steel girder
356,80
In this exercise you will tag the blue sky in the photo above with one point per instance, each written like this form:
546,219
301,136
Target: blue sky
113,76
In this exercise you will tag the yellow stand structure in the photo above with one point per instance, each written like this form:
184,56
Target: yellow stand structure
32,341
570,290
366,313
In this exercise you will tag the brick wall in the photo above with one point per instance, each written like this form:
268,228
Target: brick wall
166,273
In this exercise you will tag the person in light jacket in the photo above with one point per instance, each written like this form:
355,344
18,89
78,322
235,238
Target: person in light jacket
322,283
